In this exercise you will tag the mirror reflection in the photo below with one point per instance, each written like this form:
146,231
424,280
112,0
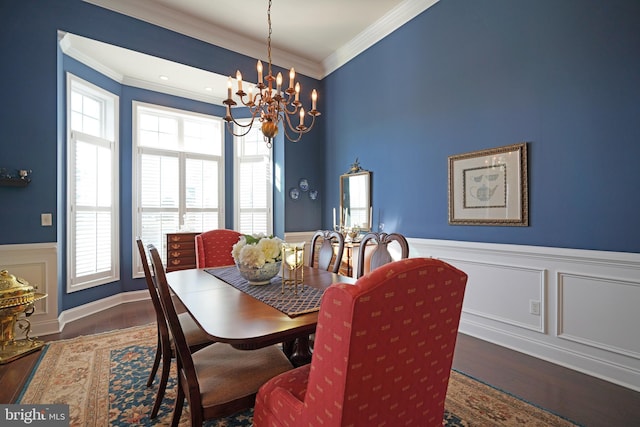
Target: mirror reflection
355,200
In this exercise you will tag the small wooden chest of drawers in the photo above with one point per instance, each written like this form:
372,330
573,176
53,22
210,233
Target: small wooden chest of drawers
181,251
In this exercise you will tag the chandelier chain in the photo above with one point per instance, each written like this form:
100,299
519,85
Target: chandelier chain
269,37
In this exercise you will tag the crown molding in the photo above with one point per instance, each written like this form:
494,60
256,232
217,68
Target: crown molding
158,14
380,29
70,50
172,90
153,13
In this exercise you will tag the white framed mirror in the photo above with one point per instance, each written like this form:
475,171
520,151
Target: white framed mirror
355,200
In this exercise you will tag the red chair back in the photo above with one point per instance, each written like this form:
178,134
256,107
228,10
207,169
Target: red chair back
213,248
382,355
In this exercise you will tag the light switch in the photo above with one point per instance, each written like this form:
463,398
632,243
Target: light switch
46,220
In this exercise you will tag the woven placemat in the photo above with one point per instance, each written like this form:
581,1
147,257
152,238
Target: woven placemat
307,300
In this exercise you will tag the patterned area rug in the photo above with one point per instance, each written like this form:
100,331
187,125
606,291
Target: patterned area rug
103,379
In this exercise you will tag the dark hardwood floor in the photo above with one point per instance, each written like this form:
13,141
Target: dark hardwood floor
578,397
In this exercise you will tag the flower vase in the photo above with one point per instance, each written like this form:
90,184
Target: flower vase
259,276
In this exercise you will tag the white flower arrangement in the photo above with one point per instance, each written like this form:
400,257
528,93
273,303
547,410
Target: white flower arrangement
256,250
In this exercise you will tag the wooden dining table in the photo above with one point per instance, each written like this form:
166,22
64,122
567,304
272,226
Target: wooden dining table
231,316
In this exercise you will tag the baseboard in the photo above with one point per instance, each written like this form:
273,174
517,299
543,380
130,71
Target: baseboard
88,309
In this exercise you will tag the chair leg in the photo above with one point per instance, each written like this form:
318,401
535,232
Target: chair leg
156,363
177,410
164,377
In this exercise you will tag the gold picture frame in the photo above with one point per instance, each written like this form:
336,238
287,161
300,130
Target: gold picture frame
489,187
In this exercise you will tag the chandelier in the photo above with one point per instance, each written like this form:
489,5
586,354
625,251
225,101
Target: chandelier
271,105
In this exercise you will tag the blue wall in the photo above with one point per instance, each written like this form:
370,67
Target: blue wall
469,75
32,134
462,76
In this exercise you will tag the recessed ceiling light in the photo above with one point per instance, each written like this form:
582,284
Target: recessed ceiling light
208,89
164,78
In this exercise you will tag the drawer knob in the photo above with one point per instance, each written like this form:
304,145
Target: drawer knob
175,261
175,254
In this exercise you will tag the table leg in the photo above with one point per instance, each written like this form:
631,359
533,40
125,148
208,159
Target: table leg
298,351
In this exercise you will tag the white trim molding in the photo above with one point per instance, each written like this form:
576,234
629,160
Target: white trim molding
94,307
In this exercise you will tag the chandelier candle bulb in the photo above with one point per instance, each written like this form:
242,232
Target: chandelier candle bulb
292,76
259,71
229,88
301,117
278,83
297,92
314,98
239,79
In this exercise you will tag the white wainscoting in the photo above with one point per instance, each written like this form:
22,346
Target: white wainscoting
588,300
589,318
37,263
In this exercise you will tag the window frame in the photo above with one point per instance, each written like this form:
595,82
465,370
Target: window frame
109,131
182,157
237,143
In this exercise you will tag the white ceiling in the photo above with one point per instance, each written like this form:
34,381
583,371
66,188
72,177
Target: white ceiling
314,36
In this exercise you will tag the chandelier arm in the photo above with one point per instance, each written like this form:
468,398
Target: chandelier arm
296,107
253,110
287,124
231,129
286,133
242,125
288,127
305,128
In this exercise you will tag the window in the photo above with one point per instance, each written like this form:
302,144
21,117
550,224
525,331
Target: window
92,183
178,174
253,184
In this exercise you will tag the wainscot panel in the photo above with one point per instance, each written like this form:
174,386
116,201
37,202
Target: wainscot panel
588,305
37,264
586,300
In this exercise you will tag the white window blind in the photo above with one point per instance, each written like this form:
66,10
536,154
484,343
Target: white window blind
253,184
92,179
178,174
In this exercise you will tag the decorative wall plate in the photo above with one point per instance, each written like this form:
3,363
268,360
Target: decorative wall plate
303,184
294,193
313,194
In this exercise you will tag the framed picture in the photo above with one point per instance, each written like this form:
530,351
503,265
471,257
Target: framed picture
489,187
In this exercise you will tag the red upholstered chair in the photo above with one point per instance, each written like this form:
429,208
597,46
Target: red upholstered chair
213,248
383,353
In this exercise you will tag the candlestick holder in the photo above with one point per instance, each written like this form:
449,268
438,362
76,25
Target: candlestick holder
292,266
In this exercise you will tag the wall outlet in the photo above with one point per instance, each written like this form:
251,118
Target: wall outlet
46,220
534,307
